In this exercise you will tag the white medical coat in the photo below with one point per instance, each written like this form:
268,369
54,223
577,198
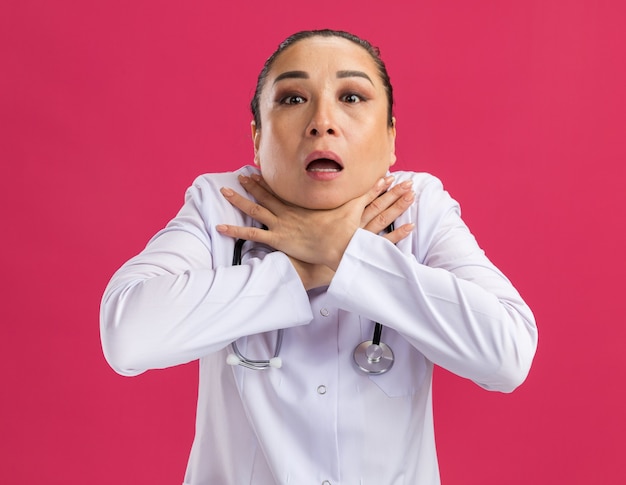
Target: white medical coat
317,420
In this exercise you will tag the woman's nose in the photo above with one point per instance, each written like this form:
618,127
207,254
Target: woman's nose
322,121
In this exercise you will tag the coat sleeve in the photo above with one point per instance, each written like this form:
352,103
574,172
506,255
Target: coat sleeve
442,293
179,300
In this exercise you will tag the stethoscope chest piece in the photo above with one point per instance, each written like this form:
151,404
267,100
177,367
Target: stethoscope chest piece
372,358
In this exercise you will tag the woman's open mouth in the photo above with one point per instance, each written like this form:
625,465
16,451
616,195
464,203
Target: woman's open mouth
323,165
323,161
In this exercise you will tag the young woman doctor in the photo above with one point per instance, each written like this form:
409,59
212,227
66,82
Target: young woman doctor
337,317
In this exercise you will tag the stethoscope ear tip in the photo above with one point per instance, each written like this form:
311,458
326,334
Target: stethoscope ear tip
276,362
232,359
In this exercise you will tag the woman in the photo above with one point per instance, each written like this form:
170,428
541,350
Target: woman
320,264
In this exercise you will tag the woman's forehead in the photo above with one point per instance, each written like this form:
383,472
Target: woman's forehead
323,53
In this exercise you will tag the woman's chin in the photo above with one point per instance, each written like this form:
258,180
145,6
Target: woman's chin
316,203
319,198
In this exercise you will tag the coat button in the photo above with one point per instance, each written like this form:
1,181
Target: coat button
321,389
324,312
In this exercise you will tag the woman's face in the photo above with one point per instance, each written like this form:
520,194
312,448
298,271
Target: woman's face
324,137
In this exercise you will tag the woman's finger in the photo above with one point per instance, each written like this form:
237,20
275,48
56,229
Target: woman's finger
400,233
245,205
385,200
255,234
380,214
372,195
257,188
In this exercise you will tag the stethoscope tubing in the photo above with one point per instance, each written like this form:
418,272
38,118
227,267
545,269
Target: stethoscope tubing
275,361
371,357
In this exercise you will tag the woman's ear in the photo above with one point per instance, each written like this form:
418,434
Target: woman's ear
392,141
256,139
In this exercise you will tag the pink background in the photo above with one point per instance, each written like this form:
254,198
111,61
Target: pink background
109,109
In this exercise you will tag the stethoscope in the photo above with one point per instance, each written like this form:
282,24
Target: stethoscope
371,357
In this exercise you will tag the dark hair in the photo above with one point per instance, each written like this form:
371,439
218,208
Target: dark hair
374,52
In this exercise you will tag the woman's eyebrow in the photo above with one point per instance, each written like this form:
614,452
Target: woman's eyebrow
291,75
305,75
344,74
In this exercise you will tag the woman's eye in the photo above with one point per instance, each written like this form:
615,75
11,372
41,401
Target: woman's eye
294,99
352,98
